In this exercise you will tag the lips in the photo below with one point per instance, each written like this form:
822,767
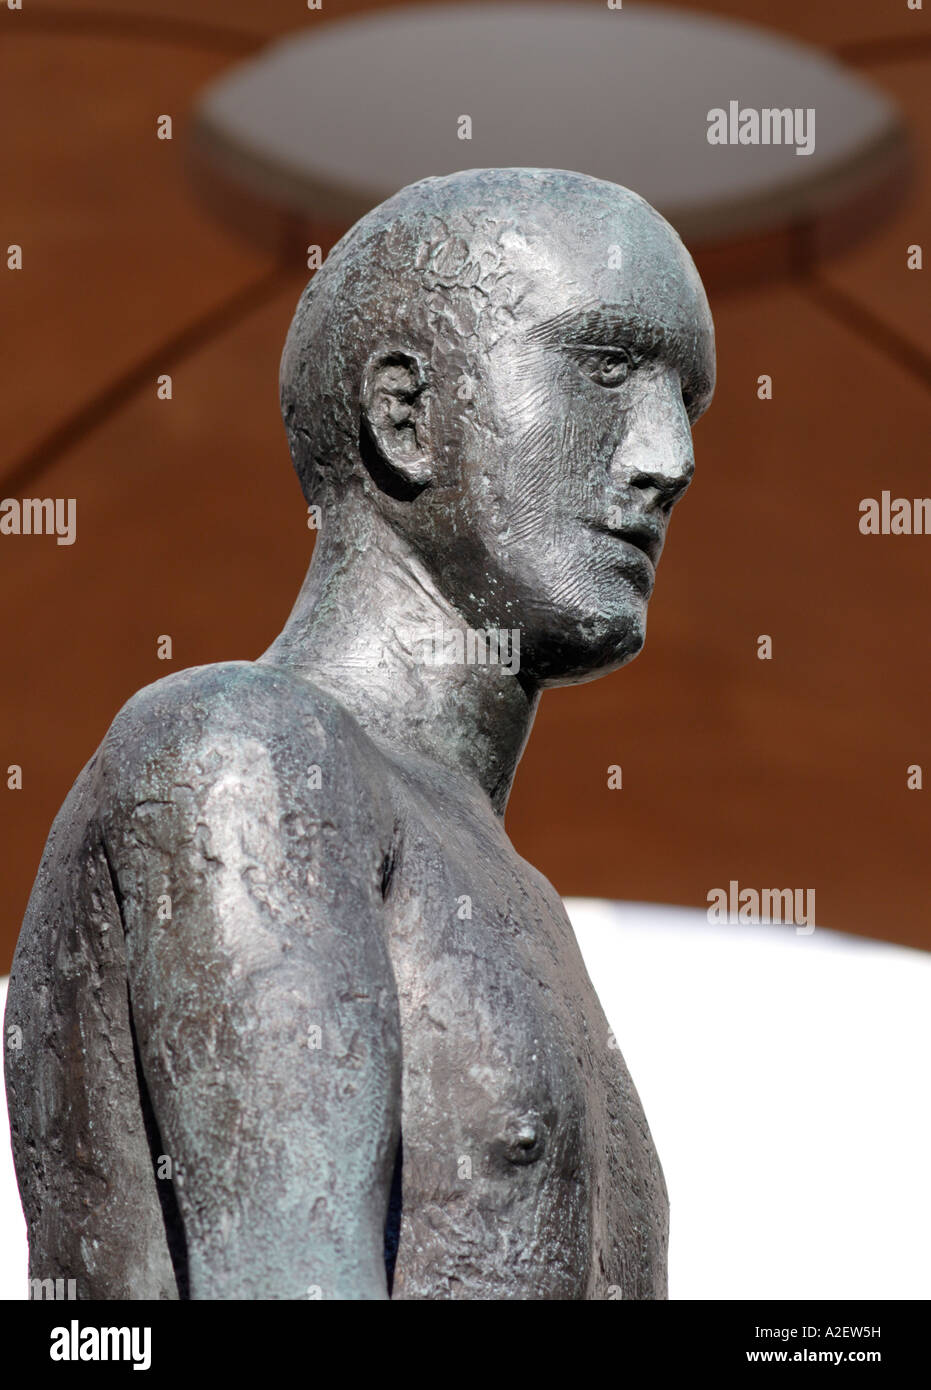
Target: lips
640,534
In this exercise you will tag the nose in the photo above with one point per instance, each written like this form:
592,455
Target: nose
655,454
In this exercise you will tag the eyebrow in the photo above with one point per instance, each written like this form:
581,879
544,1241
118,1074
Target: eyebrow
619,325
607,322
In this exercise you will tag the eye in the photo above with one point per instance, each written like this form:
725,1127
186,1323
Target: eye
607,366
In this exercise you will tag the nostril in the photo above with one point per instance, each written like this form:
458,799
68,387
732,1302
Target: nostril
674,486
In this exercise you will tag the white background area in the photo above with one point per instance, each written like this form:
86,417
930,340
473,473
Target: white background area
785,1079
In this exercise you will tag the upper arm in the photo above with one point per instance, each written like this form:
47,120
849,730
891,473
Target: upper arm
262,992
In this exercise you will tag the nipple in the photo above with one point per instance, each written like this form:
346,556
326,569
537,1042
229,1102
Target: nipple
525,1143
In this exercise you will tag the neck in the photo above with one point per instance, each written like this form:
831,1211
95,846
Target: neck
371,627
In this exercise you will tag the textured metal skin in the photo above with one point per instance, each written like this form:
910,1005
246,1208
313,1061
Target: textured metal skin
296,1020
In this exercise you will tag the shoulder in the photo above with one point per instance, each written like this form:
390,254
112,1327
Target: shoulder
239,722
243,700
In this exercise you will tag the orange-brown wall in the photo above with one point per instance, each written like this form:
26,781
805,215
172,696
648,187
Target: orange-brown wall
774,773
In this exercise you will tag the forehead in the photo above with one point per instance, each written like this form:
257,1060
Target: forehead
615,274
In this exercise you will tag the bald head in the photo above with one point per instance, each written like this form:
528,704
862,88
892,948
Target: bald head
444,268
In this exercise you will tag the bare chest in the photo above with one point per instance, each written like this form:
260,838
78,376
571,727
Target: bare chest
520,1126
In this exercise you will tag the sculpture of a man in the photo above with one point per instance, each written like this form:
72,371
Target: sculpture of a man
296,1019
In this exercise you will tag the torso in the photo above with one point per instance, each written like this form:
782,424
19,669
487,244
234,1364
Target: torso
528,1167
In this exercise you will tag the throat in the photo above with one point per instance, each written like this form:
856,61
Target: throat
371,628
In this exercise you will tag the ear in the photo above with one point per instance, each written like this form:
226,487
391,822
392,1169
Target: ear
394,413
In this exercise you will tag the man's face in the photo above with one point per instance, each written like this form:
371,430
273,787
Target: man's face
576,444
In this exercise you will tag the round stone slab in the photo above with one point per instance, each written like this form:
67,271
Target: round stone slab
729,130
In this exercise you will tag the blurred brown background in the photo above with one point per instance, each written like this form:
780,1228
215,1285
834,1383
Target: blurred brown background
190,522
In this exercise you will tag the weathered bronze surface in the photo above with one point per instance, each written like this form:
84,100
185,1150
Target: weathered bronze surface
296,1019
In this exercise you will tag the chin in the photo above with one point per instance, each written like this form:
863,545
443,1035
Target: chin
587,649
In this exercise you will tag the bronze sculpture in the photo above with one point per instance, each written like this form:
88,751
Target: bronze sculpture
297,1020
